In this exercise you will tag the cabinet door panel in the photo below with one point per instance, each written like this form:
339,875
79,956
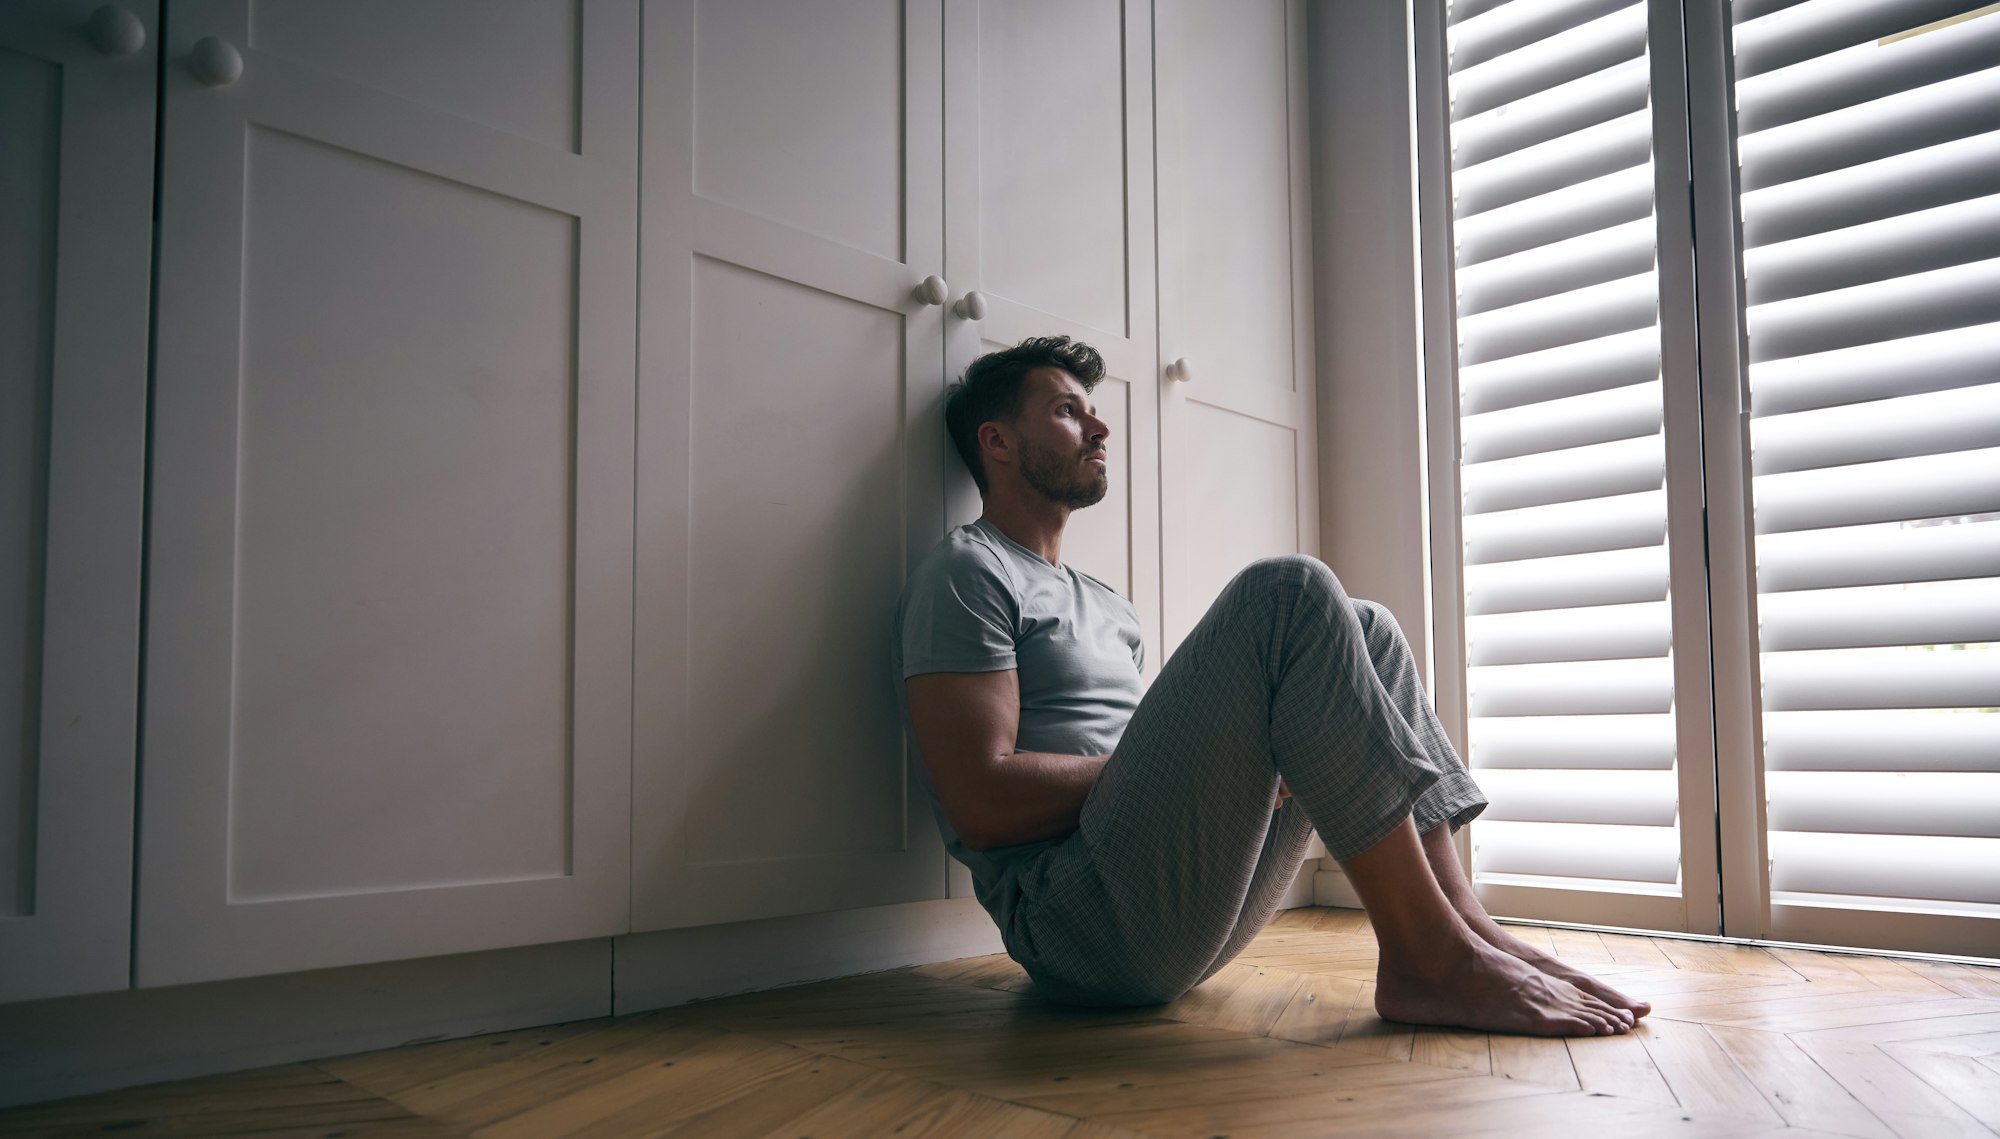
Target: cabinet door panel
1241,483
75,248
1236,435
804,122
432,578
789,455
1051,192
511,64
388,656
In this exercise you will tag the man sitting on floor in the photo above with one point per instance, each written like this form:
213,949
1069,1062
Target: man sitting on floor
1128,841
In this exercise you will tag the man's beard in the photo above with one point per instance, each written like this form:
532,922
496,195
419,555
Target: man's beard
1057,479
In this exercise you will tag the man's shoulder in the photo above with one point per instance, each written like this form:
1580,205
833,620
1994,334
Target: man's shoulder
966,552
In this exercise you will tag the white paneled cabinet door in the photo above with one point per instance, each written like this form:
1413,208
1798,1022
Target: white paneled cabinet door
790,443
76,114
388,663
1238,467
1049,203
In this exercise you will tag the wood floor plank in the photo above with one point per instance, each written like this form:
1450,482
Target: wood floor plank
390,1070
1912,1007
477,1096
1659,982
1548,1114
1962,980
1302,918
1535,935
991,971
1271,1082
1916,1028
882,1103
1712,957
266,1100
1627,949
1368,1032
747,1100
1974,1044
1618,1066
1815,965
1452,1048
1962,1079
1533,1060
990,1062
1699,1073
1239,998
889,1104
1580,947
1319,1010
1798,1089
1205,1056
1888,973
1340,921
1347,1111
1912,1108
1718,1008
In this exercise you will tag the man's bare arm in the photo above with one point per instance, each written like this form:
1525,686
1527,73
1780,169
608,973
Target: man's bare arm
966,724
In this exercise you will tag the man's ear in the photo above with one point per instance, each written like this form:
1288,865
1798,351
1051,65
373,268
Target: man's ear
995,439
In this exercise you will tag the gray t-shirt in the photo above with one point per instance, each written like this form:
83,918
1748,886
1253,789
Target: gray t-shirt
982,602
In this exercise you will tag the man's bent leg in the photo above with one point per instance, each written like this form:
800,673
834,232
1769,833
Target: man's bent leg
1453,801
1284,852
1434,970
1145,898
1450,875
1178,846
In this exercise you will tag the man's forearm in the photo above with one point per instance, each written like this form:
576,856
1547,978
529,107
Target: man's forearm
1033,795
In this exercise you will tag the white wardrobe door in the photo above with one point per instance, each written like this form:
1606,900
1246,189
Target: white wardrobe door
789,453
75,222
1238,466
388,666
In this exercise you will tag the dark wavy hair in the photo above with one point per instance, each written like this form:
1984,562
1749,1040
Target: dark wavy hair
992,388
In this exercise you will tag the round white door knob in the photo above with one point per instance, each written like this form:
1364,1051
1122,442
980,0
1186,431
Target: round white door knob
932,290
115,31
971,306
1178,371
215,62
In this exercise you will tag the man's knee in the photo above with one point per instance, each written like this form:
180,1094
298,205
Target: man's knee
1289,572
1289,579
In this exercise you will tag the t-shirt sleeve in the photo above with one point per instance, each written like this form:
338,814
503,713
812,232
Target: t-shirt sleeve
959,617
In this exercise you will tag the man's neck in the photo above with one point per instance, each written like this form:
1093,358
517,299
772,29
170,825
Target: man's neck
1036,525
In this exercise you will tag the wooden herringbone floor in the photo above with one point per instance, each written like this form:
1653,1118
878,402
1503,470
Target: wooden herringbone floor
1743,1042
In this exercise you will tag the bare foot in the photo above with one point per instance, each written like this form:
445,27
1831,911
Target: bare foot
1492,991
1556,967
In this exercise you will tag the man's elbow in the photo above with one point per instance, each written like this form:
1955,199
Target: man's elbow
978,834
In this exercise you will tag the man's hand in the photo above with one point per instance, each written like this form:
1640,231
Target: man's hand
1284,793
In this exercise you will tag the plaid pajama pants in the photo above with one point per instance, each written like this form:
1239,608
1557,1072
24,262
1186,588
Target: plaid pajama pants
1178,859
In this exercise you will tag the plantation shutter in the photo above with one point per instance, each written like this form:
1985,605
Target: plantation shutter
1869,150
1568,632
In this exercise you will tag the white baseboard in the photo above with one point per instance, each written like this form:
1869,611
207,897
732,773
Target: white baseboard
68,1046
1331,887
655,970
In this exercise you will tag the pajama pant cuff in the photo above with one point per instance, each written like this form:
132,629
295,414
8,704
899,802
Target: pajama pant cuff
1454,798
